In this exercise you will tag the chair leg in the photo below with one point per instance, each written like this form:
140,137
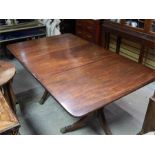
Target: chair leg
9,95
44,97
149,120
13,97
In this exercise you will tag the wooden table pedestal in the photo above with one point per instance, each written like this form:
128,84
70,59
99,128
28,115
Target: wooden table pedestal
82,122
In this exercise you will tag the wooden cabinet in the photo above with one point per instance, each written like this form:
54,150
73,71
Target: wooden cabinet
89,29
20,32
153,26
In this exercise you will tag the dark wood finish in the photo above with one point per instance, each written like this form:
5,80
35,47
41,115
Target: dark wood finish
52,55
83,121
149,120
9,95
89,29
7,72
85,28
91,76
44,97
103,122
143,36
95,85
148,25
67,26
118,44
142,53
81,76
8,121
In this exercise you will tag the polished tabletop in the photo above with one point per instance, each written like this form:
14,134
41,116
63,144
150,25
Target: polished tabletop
81,76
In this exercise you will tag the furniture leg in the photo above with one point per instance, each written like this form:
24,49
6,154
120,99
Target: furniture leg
107,40
149,120
13,97
9,94
44,97
103,122
146,55
12,132
104,39
83,122
77,125
16,132
118,44
141,56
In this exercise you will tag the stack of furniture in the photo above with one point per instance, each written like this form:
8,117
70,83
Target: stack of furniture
24,30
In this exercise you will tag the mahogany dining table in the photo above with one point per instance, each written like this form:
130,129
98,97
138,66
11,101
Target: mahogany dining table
81,76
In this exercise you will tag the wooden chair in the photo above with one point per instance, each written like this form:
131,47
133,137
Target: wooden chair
9,124
7,72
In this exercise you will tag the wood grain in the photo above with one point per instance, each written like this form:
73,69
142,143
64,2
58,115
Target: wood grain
7,71
81,76
93,86
8,120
